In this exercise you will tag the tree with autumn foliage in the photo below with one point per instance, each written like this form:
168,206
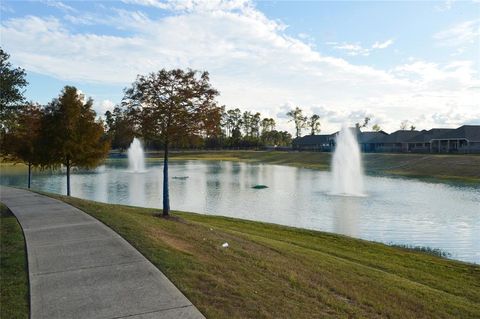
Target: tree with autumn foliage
176,104
24,139
72,136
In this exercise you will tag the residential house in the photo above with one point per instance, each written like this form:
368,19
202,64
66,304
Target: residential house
319,143
395,142
465,139
365,140
421,143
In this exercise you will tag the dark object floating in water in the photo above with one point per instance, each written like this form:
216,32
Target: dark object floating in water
260,186
180,177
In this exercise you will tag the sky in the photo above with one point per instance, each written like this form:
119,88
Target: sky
415,61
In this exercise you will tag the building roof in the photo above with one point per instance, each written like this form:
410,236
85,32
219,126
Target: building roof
366,137
400,136
469,132
355,130
313,139
426,136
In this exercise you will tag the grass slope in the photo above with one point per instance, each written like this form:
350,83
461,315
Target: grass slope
464,168
271,271
13,268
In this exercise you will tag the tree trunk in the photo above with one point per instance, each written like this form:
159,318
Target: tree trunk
29,174
68,176
166,197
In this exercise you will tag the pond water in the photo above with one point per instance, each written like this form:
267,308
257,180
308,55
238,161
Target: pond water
396,211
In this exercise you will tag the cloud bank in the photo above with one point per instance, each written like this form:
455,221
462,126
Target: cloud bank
251,59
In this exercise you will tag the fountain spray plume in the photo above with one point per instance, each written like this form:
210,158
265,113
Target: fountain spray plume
136,157
347,170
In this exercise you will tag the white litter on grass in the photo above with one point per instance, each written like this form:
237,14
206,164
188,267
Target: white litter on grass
225,245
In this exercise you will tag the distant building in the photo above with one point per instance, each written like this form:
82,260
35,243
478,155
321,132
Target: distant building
318,143
465,139
365,139
421,143
395,142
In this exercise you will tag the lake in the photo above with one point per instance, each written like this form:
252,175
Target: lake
396,210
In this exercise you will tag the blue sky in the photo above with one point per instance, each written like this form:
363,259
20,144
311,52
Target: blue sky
392,61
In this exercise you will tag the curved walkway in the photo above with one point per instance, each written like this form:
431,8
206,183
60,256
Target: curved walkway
80,268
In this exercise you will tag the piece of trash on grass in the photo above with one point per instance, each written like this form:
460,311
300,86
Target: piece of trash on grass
225,245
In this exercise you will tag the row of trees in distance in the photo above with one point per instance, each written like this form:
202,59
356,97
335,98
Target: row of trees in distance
228,129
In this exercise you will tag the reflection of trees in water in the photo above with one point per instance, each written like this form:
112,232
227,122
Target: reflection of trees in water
346,211
50,183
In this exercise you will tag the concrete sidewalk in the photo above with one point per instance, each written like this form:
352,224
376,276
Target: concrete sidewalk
80,268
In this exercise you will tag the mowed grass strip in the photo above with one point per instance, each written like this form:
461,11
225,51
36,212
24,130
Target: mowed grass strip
270,271
462,168
13,268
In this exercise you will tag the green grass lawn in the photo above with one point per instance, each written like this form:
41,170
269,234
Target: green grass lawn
13,268
462,168
270,271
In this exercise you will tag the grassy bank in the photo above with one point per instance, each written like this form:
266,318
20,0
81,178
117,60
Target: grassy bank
13,268
462,168
271,271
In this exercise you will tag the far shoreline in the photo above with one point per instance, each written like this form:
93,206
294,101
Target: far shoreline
446,168
461,169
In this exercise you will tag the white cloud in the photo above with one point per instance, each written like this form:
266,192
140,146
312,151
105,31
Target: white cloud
59,5
104,106
196,5
445,5
452,118
382,45
459,35
252,62
354,49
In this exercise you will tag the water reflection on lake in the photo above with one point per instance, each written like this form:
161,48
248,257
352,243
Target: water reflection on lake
398,211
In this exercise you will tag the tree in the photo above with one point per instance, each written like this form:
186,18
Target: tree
277,138
225,123
403,125
120,129
178,103
24,138
314,124
247,118
412,127
268,125
235,123
72,136
366,120
298,119
376,128
12,83
255,125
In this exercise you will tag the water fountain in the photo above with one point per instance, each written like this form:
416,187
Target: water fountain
136,157
347,171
